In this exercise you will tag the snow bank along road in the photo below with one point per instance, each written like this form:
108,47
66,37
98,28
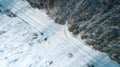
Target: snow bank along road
32,39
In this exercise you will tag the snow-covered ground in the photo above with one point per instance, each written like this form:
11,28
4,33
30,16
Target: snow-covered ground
32,39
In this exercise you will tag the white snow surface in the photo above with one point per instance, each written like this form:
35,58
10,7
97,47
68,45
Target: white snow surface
32,39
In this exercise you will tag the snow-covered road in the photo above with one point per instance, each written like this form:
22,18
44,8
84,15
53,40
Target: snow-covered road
32,39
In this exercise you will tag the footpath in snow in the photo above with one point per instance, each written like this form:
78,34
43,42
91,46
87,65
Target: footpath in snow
32,39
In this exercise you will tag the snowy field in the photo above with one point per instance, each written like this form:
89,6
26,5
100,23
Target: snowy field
32,39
